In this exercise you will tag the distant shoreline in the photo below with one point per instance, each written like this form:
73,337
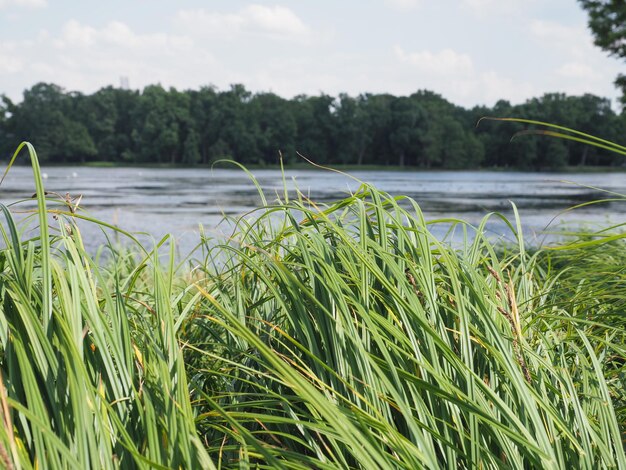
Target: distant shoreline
339,167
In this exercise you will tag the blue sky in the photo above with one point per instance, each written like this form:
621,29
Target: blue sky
470,51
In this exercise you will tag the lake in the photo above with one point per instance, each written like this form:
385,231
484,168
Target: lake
161,201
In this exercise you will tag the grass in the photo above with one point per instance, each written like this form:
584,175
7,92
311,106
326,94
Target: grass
342,336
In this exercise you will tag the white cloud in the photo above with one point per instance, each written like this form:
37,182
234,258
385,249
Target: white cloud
9,64
578,78
492,87
496,8
481,51
23,3
553,30
578,70
457,78
10,61
573,40
403,4
579,66
444,63
77,34
85,58
116,33
276,21
479,3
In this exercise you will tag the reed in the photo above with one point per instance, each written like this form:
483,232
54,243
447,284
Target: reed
357,338
337,336
92,375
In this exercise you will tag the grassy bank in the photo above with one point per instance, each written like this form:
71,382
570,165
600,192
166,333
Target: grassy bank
343,336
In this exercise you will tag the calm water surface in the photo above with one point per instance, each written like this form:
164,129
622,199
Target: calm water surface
176,201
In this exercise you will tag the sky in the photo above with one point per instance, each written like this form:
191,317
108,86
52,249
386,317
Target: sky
472,52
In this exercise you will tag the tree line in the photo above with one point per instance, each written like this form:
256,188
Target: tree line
197,127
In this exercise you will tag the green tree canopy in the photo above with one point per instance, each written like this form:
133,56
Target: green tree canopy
190,127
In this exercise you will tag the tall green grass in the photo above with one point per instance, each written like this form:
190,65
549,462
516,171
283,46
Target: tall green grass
92,375
356,338
342,336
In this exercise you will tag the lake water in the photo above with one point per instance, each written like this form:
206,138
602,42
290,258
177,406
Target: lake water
176,201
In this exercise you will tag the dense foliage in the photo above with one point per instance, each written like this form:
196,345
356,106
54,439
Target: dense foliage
159,126
339,336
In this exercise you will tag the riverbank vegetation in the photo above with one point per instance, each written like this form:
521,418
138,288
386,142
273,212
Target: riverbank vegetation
335,336
191,127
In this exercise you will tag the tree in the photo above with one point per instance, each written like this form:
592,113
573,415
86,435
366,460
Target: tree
38,119
448,145
205,118
494,135
378,110
592,115
196,127
448,134
126,102
162,119
555,155
407,133
275,125
354,128
607,21
238,130
48,118
316,125
191,154
99,113
7,139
